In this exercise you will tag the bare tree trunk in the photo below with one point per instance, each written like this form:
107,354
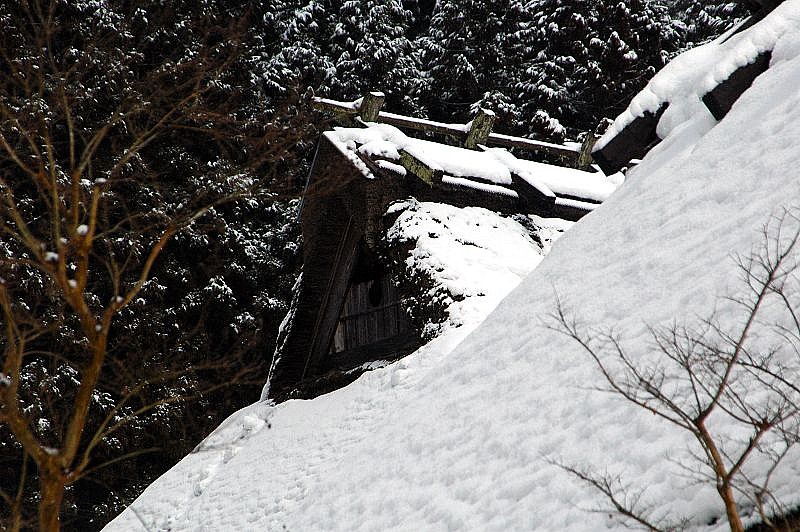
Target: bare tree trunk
51,486
723,475
16,519
726,492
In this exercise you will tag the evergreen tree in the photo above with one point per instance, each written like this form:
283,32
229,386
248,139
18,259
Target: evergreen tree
588,58
421,13
632,41
464,59
370,48
702,21
341,51
296,51
548,81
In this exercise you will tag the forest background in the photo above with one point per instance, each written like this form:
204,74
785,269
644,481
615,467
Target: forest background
209,312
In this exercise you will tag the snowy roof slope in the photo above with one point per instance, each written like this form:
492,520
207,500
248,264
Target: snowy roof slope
461,439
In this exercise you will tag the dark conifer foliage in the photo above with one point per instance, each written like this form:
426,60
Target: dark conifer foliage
370,48
122,122
342,49
295,50
589,58
702,21
548,68
463,56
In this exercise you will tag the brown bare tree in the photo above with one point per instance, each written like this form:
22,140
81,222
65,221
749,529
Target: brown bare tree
122,125
745,375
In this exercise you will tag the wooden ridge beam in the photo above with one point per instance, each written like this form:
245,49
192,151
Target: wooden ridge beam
721,98
461,131
420,168
632,142
561,150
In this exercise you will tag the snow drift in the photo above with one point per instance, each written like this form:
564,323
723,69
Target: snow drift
463,439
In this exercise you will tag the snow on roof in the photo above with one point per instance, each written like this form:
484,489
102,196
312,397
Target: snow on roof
471,257
558,179
459,162
684,80
492,189
386,141
351,156
463,437
474,169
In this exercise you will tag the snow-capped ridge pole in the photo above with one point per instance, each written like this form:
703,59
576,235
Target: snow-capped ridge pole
633,141
507,141
350,110
721,98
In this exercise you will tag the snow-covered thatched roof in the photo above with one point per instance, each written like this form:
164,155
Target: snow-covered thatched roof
358,175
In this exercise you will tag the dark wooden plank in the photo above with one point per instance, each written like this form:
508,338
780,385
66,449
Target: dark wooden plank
721,98
533,199
633,142
363,321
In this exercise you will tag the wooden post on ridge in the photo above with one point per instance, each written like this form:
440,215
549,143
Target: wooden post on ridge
371,105
480,129
585,157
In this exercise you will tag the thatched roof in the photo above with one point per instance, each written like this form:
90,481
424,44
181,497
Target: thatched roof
356,175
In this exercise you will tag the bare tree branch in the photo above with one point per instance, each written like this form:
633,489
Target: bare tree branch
734,374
